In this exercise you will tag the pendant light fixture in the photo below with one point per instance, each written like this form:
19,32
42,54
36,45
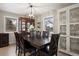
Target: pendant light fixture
31,12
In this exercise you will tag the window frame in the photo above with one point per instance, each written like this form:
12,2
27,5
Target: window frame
44,23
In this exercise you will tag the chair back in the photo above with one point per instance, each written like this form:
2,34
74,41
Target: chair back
33,34
54,44
24,44
38,34
17,39
45,34
23,33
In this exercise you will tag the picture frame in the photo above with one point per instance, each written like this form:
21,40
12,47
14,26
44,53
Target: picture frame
10,24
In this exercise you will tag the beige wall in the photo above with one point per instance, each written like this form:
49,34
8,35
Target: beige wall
50,13
2,14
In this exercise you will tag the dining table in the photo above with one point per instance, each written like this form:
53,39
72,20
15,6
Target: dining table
38,43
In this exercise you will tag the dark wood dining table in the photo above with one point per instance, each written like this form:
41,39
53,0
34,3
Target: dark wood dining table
37,42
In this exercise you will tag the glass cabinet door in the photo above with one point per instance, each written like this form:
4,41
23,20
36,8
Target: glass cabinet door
63,17
74,22
63,25
74,15
74,30
63,22
23,26
74,45
28,26
63,29
63,43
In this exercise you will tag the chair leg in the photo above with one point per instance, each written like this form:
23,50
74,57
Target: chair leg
24,52
16,49
56,54
18,52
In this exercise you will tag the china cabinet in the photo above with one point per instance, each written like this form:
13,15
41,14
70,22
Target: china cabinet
68,19
24,23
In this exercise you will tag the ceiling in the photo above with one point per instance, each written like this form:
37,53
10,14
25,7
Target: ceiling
39,8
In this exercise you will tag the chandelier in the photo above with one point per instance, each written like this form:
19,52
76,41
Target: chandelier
31,12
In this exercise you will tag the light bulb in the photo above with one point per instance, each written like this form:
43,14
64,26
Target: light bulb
31,15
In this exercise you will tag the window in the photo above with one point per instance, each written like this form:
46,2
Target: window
48,24
10,24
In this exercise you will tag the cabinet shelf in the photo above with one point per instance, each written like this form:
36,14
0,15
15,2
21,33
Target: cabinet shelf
74,36
63,35
62,24
74,23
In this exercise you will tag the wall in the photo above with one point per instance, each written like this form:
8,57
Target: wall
39,18
49,13
2,14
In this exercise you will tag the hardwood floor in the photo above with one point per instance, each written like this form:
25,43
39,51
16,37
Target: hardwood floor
10,51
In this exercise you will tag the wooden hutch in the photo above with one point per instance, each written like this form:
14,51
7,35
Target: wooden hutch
23,23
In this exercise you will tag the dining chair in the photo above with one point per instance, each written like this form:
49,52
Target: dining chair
38,34
17,42
52,48
25,46
45,34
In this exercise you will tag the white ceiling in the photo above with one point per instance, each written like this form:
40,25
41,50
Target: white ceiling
23,8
